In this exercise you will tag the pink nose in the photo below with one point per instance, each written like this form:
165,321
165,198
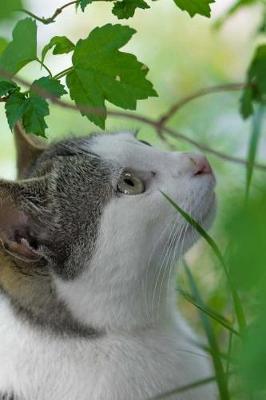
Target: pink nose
201,165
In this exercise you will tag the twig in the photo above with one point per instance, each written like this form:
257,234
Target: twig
200,93
51,19
132,116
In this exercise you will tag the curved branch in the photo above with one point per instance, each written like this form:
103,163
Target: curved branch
51,19
200,93
136,117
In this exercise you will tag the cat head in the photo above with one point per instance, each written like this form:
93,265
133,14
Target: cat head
90,214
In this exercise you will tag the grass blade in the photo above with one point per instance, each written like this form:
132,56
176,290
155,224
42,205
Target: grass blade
221,377
253,145
240,315
185,388
210,313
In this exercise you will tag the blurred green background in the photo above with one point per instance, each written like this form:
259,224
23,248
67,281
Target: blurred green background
183,55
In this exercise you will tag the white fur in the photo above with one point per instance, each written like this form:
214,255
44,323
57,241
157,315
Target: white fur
148,349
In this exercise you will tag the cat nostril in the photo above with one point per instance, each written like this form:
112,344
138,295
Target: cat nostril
201,165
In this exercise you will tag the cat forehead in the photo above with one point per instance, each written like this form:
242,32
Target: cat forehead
124,149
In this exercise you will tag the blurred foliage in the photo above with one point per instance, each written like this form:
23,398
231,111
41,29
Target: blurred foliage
194,56
8,7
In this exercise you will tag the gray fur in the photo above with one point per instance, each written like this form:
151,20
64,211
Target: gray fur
65,210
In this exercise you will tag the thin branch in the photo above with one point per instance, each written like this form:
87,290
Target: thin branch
51,19
200,93
135,117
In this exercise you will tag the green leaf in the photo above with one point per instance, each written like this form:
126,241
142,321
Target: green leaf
194,7
126,8
31,110
61,45
101,72
50,85
246,104
83,3
8,7
22,49
255,90
7,87
33,118
15,107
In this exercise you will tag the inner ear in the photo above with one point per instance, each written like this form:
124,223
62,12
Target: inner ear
28,147
16,236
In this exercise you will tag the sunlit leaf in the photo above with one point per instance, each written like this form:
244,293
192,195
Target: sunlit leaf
194,7
126,8
48,85
102,72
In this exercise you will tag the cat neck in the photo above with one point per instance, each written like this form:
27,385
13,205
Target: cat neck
127,303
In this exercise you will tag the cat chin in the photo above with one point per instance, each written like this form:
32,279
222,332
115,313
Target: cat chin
205,221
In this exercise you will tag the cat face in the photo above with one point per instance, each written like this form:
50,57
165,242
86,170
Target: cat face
137,220
90,213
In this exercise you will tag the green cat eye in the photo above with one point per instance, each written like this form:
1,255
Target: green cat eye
130,184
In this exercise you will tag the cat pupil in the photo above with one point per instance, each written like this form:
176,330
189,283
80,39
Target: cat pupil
129,182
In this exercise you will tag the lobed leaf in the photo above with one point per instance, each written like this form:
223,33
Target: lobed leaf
15,107
126,8
33,118
48,85
30,109
194,7
7,87
101,72
22,49
83,3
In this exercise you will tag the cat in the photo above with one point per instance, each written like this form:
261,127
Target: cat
88,251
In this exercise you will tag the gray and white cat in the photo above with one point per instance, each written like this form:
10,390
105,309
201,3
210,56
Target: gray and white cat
88,245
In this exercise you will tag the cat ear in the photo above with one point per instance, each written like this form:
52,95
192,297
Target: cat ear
29,148
18,227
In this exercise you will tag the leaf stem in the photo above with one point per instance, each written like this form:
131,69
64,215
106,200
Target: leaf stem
44,66
63,73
